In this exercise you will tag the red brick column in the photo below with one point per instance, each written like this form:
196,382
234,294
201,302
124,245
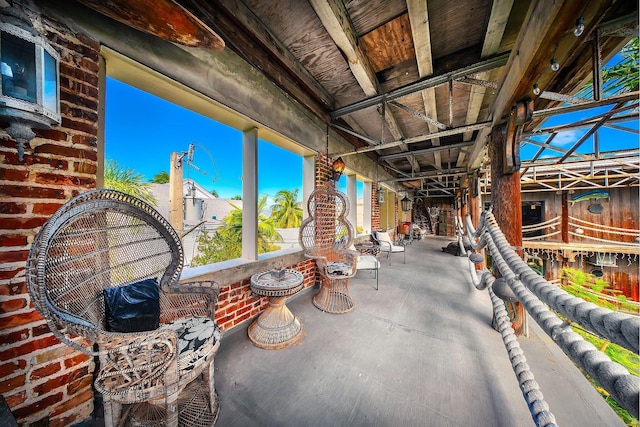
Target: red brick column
375,208
43,380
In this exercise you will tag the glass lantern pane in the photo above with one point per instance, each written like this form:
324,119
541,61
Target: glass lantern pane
18,68
50,83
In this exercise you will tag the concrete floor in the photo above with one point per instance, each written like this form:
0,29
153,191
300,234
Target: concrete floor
420,351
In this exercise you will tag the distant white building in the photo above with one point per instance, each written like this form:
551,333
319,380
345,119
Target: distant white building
202,211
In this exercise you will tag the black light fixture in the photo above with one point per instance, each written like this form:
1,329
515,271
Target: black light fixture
406,203
337,168
29,68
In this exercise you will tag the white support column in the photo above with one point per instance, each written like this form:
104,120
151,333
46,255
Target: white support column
366,206
308,181
250,194
352,195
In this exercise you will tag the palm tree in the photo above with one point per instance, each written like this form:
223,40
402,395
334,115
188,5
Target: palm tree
226,242
128,181
161,177
621,77
287,212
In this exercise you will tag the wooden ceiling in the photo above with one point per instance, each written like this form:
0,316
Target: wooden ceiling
416,85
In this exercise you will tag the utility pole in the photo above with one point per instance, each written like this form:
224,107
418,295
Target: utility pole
175,192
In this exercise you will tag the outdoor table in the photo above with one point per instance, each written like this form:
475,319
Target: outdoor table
276,327
368,248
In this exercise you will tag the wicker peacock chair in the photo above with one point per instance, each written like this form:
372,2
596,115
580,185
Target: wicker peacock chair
103,272
325,236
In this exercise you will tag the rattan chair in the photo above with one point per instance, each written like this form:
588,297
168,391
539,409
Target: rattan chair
325,236
103,240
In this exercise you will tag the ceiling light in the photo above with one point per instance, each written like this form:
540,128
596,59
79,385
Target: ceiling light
536,89
554,64
579,28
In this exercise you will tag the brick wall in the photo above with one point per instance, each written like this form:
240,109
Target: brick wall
43,380
375,208
323,169
237,304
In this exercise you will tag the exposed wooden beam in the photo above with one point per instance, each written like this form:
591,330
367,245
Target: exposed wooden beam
586,105
422,84
433,175
540,17
500,11
248,38
427,150
335,18
419,19
554,96
160,18
420,138
419,115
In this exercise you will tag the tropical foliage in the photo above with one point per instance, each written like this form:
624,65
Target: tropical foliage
286,211
161,177
620,77
590,288
226,242
128,181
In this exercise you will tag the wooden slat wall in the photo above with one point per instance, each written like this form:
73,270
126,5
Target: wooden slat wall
620,211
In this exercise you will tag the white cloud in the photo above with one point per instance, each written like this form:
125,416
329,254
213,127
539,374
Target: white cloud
568,137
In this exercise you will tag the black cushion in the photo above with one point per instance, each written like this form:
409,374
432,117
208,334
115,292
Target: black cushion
133,308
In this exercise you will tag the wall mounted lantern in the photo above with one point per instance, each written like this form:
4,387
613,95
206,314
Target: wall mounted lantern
380,194
337,168
29,69
406,203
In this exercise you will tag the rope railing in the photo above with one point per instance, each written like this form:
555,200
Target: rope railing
530,388
606,228
555,221
531,392
534,292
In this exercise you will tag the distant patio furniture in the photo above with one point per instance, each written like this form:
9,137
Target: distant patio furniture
276,327
103,272
368,258
387,245
325,236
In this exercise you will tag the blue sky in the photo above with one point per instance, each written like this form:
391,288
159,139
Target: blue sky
609,139
143,130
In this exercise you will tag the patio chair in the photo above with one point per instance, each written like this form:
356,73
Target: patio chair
387,245
325,236
103,272
368,260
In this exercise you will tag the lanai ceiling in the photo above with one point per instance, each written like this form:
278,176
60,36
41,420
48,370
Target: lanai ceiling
416,85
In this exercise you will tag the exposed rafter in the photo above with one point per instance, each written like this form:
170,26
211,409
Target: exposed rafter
500,11
419,18
539,19
426,150
420,138
335,18
433,81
